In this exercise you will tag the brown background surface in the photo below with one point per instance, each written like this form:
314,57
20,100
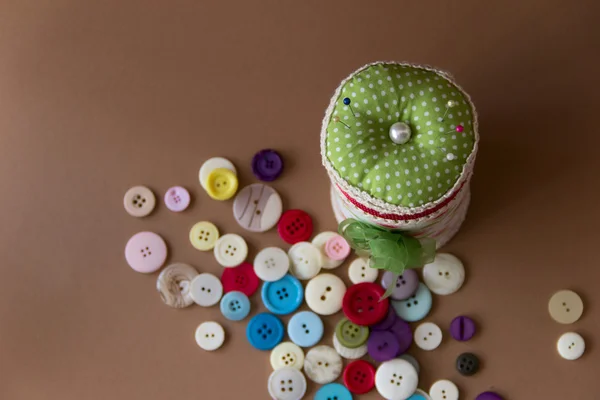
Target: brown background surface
95,98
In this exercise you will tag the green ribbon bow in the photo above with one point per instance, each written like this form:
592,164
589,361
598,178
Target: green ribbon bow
390,250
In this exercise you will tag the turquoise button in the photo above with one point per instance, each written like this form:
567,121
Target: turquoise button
235,306
417,396
416,307
305,329
333,391
283,296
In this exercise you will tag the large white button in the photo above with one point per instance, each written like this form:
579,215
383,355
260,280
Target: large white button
271,264
443,390
324,294
571,346
306,260
210,335
428,336
319,241
359,271
322,364
212,164
348,353
139,201
287,354
230,250
396,379
287,384
565,307
445,275
206,290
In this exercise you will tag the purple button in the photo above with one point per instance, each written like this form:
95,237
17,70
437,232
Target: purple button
488,396
267,165
387,322
462,328
403,335
406,284
177,199
382,346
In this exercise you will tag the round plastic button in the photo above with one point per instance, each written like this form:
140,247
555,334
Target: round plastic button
445,275
221,184
305,260
382,346
146,252
386,323
295,226
416,307
333,391
428,336
287,354
488,396
325,294
565,307
403,333
571,346
319,242
467,364
235,306
406,284
283,296
359,271
241,279
264,331
462,328
139,201
337,248
173,285
419,395
443,390
210,336
230,250
363,304
206,290
359,377
322,364
212,164
257,207
204,235
271,264
267,165
305,329
287,384
351,335
348,353
177,199
396,379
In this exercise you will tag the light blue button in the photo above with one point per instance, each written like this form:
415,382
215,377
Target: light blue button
235,306
416,307
305,328
333,391
264,331
283,296
418,396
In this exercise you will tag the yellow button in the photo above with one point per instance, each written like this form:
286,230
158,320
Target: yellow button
221,184
204,235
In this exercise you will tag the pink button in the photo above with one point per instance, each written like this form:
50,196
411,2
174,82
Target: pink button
177,199
146,252
337,248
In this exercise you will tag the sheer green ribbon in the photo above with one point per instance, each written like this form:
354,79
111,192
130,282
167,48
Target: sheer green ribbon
390,250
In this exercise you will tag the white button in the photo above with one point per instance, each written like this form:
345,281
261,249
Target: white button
206,290
271,264
139,201
211,164
319,241
348,353
324,294
231,250
396,379
287,354
287,384
566,307
445,275
443,390
571,346
210,335
359,271
306,260
428,336
322,364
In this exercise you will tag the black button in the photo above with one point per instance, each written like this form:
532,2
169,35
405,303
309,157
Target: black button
467,364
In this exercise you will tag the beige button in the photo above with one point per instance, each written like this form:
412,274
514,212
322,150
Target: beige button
287,354
139,201
173,284
565,307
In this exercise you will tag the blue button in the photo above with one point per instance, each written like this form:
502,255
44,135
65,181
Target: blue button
235,306
418,396
264,331
416,307
283,296
305,329
333,391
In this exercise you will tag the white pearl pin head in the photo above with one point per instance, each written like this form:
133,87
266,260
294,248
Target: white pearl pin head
400,133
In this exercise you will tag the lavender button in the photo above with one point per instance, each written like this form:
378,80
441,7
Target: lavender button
387,322
403,334
382,346
406,284
462,328
488,396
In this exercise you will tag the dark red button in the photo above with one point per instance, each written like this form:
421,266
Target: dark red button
362,304
295,226
359,377
240,279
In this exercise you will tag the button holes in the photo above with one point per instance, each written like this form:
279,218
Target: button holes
323,298
447,273
568,310
416,302
283,389
328,288
363,268
264,326
327,364
255,202
307,331
430,334
441,273
286,295
229,246
304,326
425,338
564,304
319,363
462,365
392,381
443,391
408,305
235,249
358,299
360,310
143,200
286,363
207,335
370,298
264,336
208,290
362,275
213,335
269,332
203,289
257,212
290,382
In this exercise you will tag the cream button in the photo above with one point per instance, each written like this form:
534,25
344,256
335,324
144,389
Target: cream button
204,235
571,346
210,336
305,260
566,307
428,336
271,264
287,384
287,354
445,275
324,294
320,241
348,353
206,290
212,164
230,250
173,285
322,364
359,271
139,201
396,379
443,390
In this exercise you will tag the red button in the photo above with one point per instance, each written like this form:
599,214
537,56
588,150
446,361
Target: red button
359,377
295,226
362,304
240,279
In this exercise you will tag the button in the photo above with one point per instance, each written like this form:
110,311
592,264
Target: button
267,165
221,184
146,252
333,391
396,379
462,328
235,306
443,390
467,364
287,354
319,242
283,296
204,235
387,322
322,364
351,335
359,271
210,336
565,307
206,290
337,248
257,207
382,346
264,331
428,336
305,260
413,361
419,395
212,164
488,396
287,384
325,293
363,304
406,284
295,226
305,329
271,264
177,199
359,377
348,353
231,250
173,285
571,346
403,333
241,279
416,307
139,201
445,275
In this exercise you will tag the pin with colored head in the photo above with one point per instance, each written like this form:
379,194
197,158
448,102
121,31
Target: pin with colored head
449,105
347,102
459,129
337,119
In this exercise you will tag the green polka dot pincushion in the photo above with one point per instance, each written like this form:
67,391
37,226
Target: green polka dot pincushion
399,142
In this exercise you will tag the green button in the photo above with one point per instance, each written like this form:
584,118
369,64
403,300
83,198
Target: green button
351,335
